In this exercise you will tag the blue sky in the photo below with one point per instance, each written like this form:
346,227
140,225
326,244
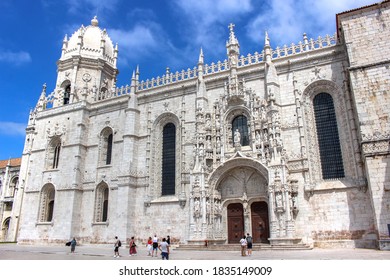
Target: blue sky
153,34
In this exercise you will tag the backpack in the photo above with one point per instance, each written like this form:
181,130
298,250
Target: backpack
249,239
119,243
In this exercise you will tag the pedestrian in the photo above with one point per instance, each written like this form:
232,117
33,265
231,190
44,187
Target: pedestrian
155,244
117,244
169,240
249,241
132,245
149,246
73,244
164,248
243,246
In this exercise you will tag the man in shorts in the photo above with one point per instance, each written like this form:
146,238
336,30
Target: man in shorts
164,248
249,242
155,244
116,247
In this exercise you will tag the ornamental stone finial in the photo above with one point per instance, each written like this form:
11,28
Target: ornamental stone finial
94,21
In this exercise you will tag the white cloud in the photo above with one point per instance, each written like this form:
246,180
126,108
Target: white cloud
203,20
12,128
287,20
140,40
16,58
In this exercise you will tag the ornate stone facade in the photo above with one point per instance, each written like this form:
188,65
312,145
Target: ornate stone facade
219,150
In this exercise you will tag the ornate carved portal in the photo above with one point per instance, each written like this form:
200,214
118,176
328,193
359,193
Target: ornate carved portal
244,191
243,196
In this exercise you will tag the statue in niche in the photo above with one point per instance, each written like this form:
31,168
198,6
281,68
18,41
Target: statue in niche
237,137
208,123
271,95
201,150
208,208
218,207
217,123
209,147
232,61
263,113
218,145
197,208
257,140
256,113
279,200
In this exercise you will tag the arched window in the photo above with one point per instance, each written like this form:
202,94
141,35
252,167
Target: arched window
5,228
13,186
168,159
47,203
67,95
101,203
102,94
328,137
54,153
106,146
240,125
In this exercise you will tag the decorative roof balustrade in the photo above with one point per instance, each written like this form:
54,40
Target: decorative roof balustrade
305,46
213,68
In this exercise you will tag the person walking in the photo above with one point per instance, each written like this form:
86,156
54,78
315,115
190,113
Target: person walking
249,241
132,245
117,244
164,248
243,246
73,244
149,246
155,244
169,240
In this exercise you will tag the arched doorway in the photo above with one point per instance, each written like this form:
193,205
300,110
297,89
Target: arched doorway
235,217
260,222
5,229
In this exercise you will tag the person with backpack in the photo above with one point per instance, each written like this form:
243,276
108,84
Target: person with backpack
73,244
249,242
117,244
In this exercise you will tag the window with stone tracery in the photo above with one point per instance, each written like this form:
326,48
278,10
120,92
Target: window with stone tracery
53,153
13,186
106,140
46,210
67,95
328,136
101,203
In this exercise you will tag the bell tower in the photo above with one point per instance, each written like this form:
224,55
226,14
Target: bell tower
87,67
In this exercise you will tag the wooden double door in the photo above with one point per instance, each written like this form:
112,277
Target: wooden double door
259,220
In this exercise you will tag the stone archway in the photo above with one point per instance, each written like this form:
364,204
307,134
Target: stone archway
237,183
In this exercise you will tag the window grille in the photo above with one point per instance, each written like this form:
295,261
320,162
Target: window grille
328,137
168,159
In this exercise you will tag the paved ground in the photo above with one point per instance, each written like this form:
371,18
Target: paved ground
105,252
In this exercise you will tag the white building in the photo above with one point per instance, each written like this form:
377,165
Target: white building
9,183
288,144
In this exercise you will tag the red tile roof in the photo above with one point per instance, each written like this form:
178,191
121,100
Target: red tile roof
13,161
